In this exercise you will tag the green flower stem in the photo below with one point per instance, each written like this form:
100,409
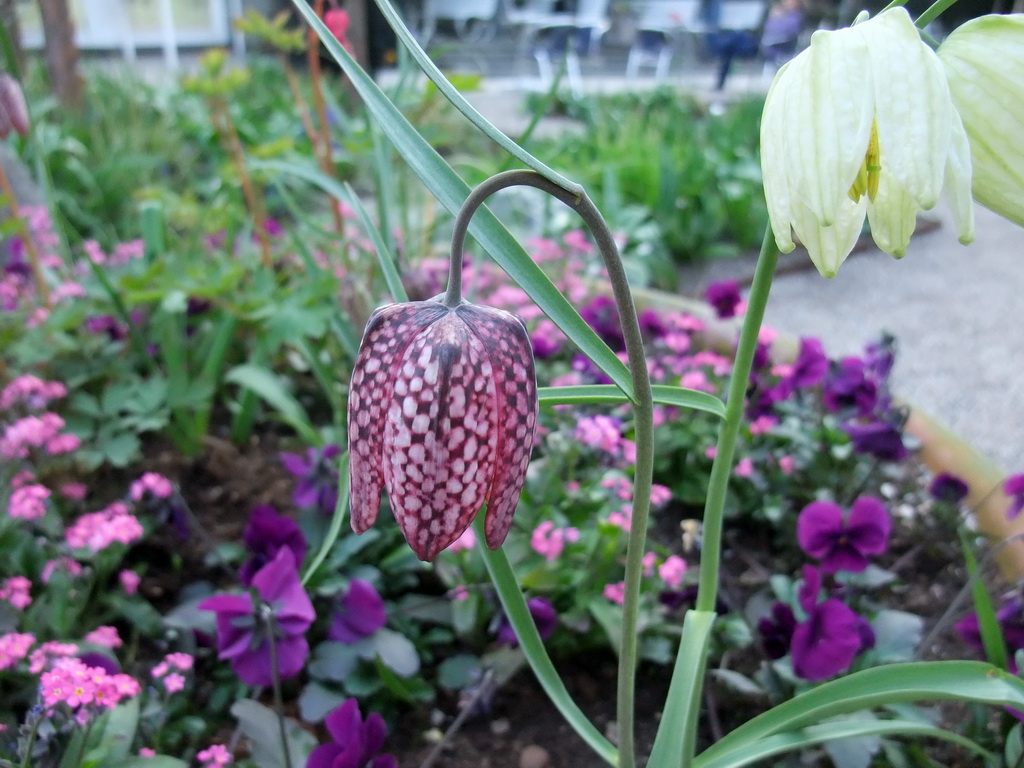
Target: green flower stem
721,468
643,411
518,613
932,12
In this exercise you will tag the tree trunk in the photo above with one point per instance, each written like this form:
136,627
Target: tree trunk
61,53
9,20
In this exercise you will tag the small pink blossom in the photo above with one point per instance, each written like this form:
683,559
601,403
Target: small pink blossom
153,483
649,561
98,530
146,752
787,464
458,593
65,443
660,495
744,467
602,432
620,486
28,502
549,541
180,661
66,564
74,491
105,636
32,391
615,592
14,647
129,581
16,591
623,518
41,657
465,542
762,424
672,571
216,754
711,452
174,682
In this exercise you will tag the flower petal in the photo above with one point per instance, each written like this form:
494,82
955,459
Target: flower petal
388,334
508,347
776,124
828,247
825,644
818,527
958,181
984,63
892,214
913,111
439,435
868,526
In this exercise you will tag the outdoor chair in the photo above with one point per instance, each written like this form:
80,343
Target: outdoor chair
568,34
660,26
473,20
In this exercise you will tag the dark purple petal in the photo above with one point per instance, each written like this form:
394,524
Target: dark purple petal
868,526
724,297
544,617
948,488
848,387
843,556
827,643
345,723
879,438
360,614
374,733
326,756
970,631
1014,488
307,493
811,364
295,464
777,631
265,534
278,583
818,527
809,590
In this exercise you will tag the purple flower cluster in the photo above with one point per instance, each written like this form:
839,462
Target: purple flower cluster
831,634
317,475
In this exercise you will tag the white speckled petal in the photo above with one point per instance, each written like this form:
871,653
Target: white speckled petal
775,129
440,436
892,215
510,352
388,333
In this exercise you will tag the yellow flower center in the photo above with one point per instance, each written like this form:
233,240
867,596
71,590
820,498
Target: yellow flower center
867,176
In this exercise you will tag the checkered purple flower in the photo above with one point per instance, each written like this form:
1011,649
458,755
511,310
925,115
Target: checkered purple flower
442,413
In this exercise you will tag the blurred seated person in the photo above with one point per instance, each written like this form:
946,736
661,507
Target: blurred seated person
776,40
781,32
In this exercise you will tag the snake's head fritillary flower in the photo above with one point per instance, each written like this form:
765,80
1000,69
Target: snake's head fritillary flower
862,123
442,413
984,62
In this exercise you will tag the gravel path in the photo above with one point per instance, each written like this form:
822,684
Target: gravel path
955,312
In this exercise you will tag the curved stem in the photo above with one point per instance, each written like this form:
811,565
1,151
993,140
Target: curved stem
643,411
275,678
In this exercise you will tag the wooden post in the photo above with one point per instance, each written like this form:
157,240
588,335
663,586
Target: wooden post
61,53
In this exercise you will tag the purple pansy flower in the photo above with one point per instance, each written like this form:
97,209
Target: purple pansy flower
948,488
356,742
724,297
360,613
318,477
843,545
265,534
602,315
652,326
777,631
849,387
826,642
878,437
1014,488
811,365
1011,623
544,616
246,632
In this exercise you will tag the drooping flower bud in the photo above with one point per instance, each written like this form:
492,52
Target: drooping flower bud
984,63
13,110
442,413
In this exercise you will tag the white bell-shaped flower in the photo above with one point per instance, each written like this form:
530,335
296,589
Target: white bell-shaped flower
862,123
984,62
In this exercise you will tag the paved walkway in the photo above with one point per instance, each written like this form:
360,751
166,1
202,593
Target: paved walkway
954,310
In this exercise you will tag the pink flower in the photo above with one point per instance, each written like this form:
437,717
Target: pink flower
129,581
105,636
65,564
216,754
465,542
787,464
146,752
15,591
28,502
14,647
98,530
549,541
32,391
174,682
762,424
672,571
649,561
615,592
601,432
745,467
153,483
181,661
74,491
458,593
660,495
65,443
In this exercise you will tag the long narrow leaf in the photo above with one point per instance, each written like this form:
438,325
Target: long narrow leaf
817,734
585,394
268,386
890,684
514,604
334,531
988,623
683,692
451,93
451,192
